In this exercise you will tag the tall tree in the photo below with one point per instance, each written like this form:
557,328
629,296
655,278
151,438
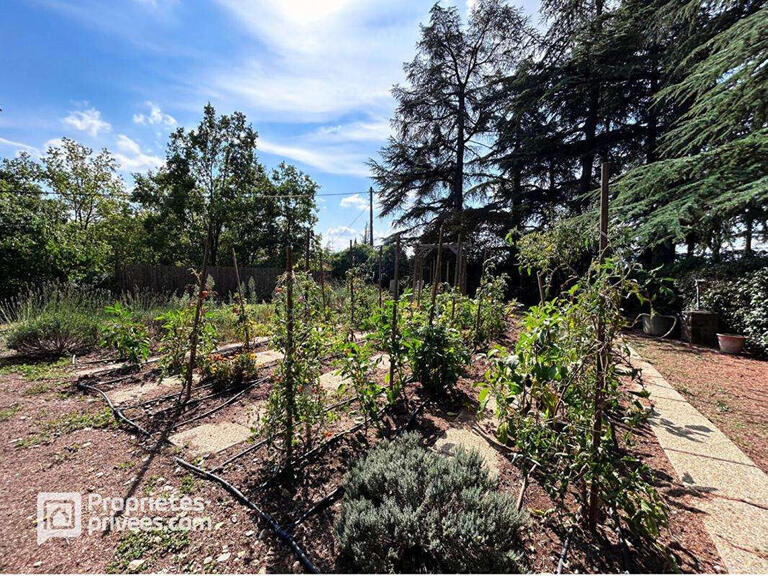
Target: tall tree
88,185
444,113
711,177
207,174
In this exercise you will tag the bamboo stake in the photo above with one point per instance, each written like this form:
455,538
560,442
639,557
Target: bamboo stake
478,297
322,279
288,362
195,326
380,259
602,355
437,277
456,277
396,295
247,343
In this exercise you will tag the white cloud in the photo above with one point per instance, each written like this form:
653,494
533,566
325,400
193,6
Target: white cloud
88,120
20,146
132,158
333,161
324,58
155,116
354,201
375,131
338,237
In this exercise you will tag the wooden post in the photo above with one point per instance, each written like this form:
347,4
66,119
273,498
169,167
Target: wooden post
290,404
437,277
396,297
322,279
381,248
541,286
351,273
602,355
309,275
478,297
420,264
247,343
370,202
195,326
456,276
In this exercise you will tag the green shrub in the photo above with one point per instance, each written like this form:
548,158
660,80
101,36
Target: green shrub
54,319
127,337
437,354
55,334
410,510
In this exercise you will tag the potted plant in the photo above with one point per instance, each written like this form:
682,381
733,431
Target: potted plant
731,343
659,322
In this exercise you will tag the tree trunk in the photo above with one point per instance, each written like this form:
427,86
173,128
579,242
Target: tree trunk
458,176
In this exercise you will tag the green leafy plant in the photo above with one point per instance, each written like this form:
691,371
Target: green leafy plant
437,355
127,337
177,326
357,364
490,298
409,510
231,372
545,394
296,405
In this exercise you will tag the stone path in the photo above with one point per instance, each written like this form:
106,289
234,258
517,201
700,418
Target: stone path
733,491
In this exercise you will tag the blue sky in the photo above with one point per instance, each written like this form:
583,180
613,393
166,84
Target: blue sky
313,77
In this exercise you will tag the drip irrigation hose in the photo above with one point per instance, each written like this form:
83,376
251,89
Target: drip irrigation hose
229,487
224,404
318,506
115,410
243,499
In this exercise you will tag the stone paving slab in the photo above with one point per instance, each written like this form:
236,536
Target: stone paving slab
461,437
734,491
268,357
137,391
211,438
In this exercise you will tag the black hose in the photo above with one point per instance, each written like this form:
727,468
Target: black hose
242,498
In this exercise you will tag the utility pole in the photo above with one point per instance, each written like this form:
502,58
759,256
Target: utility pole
370,221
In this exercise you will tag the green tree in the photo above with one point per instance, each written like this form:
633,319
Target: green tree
204,186
30,226
433,165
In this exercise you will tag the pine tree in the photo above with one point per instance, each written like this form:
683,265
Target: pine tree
433,165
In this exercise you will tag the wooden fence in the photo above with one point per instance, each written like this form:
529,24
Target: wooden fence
166,279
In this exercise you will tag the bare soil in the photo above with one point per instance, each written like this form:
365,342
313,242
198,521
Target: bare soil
732,391
115,461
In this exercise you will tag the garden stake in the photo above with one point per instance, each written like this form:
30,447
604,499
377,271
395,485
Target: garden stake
394,309
195,325
478,296
288,361
247,343
456,276
602,356
322,279
380,251
437,277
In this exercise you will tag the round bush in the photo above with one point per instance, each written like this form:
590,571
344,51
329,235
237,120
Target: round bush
410,510
55,334
438,355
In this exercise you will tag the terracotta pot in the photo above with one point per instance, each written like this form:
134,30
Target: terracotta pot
657,324
730,343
